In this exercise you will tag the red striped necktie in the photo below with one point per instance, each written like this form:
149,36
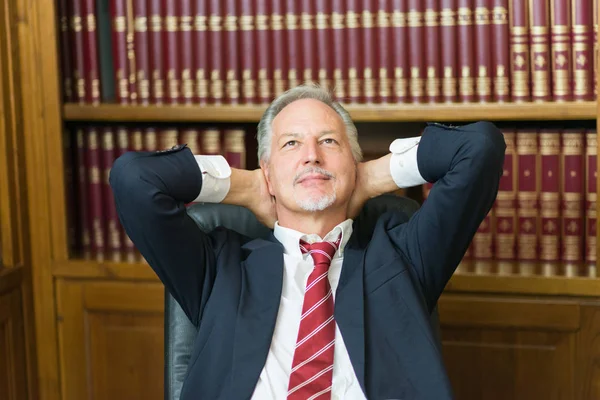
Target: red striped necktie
312,368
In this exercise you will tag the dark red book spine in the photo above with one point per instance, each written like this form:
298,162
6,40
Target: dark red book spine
483,52
186,57
550,201
247,53
215,45
519,50
309,61
528,190
136,139
130,43
232,63
449,50
354,52
157,65
66,65
340,71
83,220
416,50
432,50
466,53
90,43
583,43
539,36
293,43
573,185
323,43
278,43
591,197
168,137
190,136
200,53
78,53
596,48
142,61
127,246
265,73
560,40
94,195
385,51
171,51
234,148
500,51
369,46
111,217
505,206
150,139
210,141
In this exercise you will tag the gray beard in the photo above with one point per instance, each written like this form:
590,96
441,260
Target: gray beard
318,204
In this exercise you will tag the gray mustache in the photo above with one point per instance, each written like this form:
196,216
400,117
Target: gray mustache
313,170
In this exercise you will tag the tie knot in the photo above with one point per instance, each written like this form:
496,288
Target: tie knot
321,252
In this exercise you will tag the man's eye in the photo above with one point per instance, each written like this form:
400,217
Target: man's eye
290,143
329,141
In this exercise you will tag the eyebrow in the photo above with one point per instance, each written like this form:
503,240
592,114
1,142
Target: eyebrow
295,134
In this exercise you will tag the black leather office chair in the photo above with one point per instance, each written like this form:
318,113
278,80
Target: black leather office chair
179,331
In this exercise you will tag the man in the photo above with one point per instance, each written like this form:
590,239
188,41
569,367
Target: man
347,320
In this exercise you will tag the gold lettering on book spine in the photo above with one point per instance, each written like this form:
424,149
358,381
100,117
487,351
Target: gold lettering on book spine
157,81
432,82
400,83
247,26
416,82
339,85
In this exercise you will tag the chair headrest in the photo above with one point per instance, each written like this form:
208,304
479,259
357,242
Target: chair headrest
210,216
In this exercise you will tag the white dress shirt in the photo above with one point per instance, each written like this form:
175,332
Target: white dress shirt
274,377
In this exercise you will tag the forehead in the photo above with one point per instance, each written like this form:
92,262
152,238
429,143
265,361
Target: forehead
305,116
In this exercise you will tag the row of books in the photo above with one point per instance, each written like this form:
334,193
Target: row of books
94,228
368,51
544,217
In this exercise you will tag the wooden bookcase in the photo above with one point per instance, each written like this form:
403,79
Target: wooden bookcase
98,325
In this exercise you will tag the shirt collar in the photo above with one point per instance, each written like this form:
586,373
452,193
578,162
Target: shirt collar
290,238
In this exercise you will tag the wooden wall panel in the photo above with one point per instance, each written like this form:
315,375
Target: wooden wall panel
13,371
110,340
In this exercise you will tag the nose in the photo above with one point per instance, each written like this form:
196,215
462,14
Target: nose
312,152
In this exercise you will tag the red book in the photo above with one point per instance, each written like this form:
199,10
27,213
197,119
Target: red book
560,23
142,61
309,37
111,218
186,57
519,50
171,51
78,53
278,51
167,138
432,50
416,50
500,51
449,50
127,246
234,147
136,139
323,43
83,220
247,54
265,93
90,55
369,9
65,52
232,74
505,207
94,194
215,51
210,142
573,185
550,200
155,51
483,245
595,69
354,52
583,36
539,37
200,53
190,136
466,51
293,43
386,50
527,198
591,196
483,52
340,62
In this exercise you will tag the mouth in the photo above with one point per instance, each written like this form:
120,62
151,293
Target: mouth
312,178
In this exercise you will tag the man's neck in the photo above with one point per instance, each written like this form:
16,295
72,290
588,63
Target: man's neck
318,222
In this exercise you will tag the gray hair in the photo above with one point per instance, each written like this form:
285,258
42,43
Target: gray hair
306,91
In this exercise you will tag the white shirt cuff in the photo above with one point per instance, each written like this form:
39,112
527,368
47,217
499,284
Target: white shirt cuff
403,163
216,180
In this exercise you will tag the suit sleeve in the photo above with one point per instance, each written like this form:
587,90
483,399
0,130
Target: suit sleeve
465,163
150,191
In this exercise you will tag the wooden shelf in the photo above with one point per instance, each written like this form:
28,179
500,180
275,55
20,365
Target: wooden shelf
360,113
136,271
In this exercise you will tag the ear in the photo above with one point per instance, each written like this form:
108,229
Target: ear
266,171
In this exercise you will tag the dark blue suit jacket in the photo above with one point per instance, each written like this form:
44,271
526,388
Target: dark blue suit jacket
392,274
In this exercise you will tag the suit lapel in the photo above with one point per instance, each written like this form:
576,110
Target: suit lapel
349,308
262,277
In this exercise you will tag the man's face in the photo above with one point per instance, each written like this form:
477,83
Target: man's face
311,166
